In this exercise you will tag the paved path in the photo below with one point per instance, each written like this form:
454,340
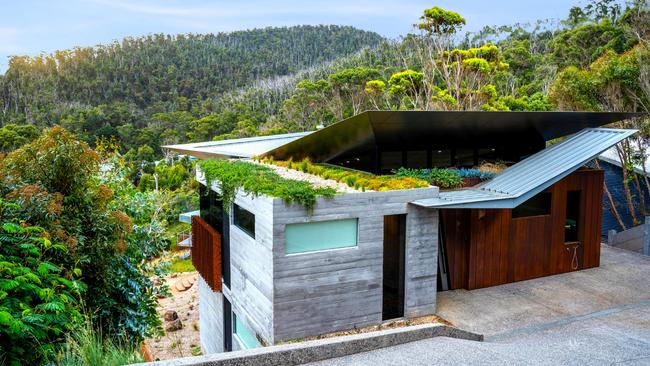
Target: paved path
594,317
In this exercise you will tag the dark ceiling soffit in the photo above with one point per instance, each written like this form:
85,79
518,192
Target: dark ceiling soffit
408,128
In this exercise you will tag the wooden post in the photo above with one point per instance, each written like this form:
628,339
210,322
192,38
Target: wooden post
646,236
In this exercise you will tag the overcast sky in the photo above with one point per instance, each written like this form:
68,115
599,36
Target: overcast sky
34,26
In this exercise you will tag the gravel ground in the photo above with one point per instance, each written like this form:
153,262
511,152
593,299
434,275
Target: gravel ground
178,343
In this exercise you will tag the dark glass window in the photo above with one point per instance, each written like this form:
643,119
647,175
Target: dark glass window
391,160
440,158
539,204
464,158
572,216
211,204
243,219
416,159
211,207
489,155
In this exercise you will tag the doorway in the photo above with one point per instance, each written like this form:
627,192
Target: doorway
393,266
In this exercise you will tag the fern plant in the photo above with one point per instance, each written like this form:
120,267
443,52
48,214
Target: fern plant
39,300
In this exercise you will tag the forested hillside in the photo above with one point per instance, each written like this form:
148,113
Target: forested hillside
161,89
96,90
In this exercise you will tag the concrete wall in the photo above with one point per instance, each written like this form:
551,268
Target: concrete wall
280,296
251,263
210,318
251,272
326,291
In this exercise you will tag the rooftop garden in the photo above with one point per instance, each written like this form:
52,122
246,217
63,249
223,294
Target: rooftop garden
358,180
404,178
258,179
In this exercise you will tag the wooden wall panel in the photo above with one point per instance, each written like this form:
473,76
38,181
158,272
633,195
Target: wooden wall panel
206,252
488,247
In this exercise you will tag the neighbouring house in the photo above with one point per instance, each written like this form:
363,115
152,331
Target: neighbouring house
272,271
610,163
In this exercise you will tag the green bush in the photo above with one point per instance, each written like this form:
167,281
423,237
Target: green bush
356,179
443,178
56,183
39,300
257,179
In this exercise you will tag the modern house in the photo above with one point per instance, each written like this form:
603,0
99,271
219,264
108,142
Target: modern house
272,272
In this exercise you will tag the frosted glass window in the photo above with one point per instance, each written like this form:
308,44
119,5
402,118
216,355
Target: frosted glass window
245,336
321,235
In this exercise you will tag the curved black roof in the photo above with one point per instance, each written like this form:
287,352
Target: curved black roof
405,129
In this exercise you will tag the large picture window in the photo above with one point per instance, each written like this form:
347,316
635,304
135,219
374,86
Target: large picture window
244,220
321,235
540,204
245,337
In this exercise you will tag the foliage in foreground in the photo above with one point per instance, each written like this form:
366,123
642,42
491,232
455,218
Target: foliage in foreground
86,346
39,300
257,179
54,183
356,179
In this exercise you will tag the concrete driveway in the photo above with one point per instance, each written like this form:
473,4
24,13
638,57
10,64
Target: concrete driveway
599,316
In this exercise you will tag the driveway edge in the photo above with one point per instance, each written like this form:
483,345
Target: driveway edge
322,349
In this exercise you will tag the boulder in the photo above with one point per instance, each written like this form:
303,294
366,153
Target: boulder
173,325
170,315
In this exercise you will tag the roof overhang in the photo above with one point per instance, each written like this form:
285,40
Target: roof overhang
532,175
399,129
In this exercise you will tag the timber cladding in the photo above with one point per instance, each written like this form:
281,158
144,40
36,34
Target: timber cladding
488,247
206,252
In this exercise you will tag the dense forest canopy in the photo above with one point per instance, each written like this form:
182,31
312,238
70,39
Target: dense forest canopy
163,89
98,90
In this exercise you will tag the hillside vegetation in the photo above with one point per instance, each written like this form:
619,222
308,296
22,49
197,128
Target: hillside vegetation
118,89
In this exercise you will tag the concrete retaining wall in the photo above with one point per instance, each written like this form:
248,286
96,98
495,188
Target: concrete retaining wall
312,351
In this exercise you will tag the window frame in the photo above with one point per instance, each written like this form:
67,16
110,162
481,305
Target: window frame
237,208
348,247
236,335
547,212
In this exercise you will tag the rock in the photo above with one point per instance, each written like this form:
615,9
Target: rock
179,286
186,283
173,325
170,315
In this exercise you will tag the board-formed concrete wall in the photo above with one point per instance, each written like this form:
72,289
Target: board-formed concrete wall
280,296
326,291
210,318
251,271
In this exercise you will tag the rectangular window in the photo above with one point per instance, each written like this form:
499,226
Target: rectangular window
464,158
391,160
321,235
441,158
243,219
416,159
540,204
572,216
243,334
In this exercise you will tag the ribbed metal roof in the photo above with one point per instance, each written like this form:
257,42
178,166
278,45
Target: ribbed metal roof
236,148
533,174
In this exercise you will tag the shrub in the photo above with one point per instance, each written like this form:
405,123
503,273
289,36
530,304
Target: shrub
57,184
257,179
475,173
39,300
443,178
356,179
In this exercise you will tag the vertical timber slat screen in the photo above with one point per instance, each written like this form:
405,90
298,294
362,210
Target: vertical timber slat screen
206,252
